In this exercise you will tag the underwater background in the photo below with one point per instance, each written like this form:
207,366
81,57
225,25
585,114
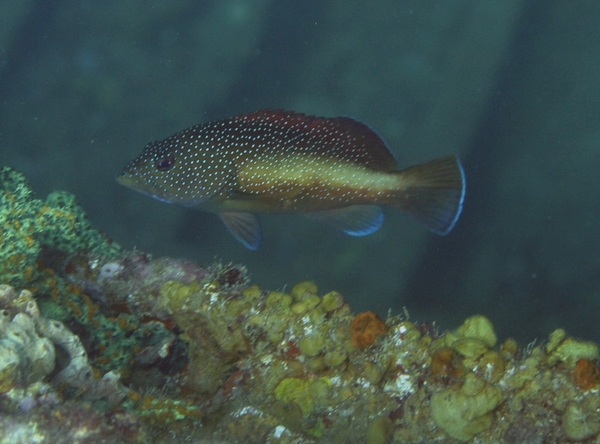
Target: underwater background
510,86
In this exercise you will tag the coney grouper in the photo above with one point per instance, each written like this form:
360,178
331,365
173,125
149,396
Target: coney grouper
337,170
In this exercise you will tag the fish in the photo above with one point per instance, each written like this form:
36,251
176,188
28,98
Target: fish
332,169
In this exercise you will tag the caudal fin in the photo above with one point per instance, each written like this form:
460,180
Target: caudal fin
434,193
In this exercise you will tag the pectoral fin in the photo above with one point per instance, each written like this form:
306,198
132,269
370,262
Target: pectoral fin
355,220
244,227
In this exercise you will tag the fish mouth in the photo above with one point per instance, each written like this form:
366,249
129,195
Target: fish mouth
142,186
130,181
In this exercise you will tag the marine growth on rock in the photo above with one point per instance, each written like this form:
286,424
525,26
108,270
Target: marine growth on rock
105,345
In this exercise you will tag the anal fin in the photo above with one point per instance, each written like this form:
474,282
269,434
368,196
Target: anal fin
355,220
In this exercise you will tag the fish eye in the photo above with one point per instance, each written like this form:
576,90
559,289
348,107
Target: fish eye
165,164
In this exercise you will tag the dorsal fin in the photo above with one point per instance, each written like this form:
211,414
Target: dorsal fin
341,137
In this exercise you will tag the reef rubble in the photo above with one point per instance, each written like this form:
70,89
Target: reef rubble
99,344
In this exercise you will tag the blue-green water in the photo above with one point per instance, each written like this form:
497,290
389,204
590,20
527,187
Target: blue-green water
510,86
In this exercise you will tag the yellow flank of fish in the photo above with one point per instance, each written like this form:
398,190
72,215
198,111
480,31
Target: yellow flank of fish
307,183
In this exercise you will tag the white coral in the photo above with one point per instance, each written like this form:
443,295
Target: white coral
27,351
25,357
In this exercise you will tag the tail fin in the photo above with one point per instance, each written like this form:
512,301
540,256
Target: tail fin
434,193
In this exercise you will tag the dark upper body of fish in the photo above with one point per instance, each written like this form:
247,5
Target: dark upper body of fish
334,169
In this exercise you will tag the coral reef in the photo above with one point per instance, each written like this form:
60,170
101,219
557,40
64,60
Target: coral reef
285,366
116,346
27,225
288,365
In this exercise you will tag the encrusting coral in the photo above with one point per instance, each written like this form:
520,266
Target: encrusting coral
366,328
113,346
